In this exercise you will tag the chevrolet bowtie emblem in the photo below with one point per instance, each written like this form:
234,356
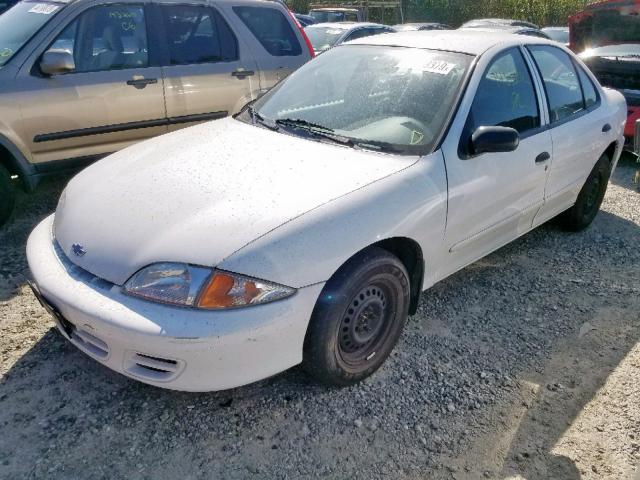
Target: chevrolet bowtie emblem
78,250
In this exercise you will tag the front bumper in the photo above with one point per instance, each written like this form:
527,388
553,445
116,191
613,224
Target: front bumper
169,347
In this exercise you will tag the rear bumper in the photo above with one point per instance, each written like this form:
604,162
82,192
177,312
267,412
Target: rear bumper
169,347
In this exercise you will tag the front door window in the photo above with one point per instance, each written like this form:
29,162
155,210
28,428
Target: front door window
109,37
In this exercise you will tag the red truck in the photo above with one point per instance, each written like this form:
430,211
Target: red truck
607,37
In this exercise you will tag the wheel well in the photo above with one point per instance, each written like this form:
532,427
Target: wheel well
410,254
611,151
8,161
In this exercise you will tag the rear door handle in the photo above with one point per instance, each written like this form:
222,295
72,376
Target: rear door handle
606,128
140,83
543,157
242,73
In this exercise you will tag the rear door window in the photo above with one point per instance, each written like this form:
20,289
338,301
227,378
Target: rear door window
197,34
561,83
272,29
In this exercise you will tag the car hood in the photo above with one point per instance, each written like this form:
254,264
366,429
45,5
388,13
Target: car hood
200,194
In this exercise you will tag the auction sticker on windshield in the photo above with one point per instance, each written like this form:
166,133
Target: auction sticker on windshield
439,67
43,8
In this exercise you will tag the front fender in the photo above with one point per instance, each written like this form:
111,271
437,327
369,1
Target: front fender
309,249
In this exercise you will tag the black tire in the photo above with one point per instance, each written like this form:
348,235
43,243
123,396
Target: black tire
7,195
358,319
590,198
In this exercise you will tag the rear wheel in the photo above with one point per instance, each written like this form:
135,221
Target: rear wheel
589,199
358,319
7,195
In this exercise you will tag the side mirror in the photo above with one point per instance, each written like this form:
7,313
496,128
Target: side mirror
56,62
494,139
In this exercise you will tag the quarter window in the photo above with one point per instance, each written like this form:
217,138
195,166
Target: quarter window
561,83
505,96
272,30
110,37
197,35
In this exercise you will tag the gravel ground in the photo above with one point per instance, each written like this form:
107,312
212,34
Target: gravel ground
525,365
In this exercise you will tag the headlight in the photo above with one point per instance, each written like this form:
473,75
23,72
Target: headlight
191,286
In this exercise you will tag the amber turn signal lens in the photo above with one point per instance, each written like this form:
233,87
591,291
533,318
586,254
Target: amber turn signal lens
228,290
216,294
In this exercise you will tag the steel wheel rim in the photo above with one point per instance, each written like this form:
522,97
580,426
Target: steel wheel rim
365,324
592,196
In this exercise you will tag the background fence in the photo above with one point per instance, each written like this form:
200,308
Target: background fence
456,12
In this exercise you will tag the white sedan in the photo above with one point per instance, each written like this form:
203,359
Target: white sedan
304,229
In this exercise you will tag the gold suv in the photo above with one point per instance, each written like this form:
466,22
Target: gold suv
80,79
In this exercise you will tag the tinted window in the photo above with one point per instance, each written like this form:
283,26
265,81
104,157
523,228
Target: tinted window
361,33
109,37
590,95
506,96
197,35
272,30
560,81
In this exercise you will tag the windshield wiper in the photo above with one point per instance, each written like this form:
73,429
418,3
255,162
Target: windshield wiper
257,118
330,134
316,130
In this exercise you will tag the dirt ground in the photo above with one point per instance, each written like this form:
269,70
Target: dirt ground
525,365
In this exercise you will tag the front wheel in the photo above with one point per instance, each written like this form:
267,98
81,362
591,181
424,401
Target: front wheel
7,195
358,319
589,199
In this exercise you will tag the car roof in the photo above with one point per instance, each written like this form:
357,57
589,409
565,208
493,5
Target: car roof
499,21
471,41
418,24
498,28
333,9
346,25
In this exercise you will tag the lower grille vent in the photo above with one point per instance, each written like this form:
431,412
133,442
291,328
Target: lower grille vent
153,368
90,344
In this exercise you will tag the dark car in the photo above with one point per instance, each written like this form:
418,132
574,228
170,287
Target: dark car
411,27
6,5
304,20
488,22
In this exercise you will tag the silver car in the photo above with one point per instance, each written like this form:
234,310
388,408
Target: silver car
79,80
326,35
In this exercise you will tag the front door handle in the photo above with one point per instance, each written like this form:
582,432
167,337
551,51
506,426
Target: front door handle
606,128
141,82
543,157
242,73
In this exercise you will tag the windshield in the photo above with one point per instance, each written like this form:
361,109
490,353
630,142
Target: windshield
20,23
558,34
324,16
383,98
629,51
322,38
